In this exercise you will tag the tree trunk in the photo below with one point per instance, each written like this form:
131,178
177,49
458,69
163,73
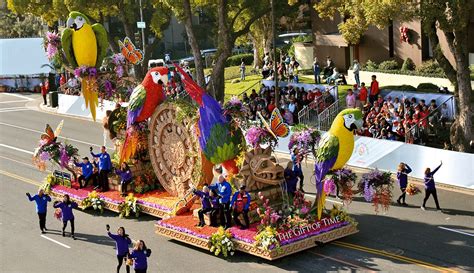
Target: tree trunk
188,25
257,49
223,52
461,130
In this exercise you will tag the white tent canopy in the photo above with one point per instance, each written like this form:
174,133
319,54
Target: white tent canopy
22,56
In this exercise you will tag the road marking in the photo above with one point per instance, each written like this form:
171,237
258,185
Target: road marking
16,149
54,241
13,101
341,261
36,131
16,110
392,256
457,231
18,96
21,178
20,162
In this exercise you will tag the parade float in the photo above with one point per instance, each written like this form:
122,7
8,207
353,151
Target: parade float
173,134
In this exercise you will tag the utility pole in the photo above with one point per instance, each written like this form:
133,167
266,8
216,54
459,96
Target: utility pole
275,64
143,29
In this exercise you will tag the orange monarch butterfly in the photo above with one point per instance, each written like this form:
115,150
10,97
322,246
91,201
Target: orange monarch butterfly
130,52
49,136
277,127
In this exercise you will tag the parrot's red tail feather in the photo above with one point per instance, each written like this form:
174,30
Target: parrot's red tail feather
129,146
231,166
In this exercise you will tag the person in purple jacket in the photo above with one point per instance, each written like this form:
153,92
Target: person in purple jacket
430,188
66,207
41,200
125,177
122,241
139,255
402,177
206,205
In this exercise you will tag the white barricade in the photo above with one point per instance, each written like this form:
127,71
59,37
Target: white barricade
76,106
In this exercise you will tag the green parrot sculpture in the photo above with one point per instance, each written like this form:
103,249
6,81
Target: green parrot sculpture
84,44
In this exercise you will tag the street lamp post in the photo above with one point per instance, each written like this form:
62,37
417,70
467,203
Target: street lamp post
143,29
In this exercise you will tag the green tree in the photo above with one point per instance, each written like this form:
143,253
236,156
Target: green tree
449,18
16,26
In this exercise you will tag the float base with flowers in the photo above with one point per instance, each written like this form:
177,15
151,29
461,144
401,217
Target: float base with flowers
275,234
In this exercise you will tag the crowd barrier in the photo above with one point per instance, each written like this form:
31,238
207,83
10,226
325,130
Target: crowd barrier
307,86
76,106
371,153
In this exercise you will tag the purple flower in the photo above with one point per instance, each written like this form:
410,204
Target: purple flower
274,217
44,156
255,136
109,89
304,210
329,186
368,192
63,158
77,72
119,70
92,72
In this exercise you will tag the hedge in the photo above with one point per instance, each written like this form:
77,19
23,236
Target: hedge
236,60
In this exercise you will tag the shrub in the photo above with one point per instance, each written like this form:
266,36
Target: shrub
389,65
408,65
427,87
403,87
430,67
237,59
370,65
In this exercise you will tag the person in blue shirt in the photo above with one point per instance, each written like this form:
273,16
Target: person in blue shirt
105,166
41,200
87,171
224,190
66,207
402,177
240,205
125,177
139,255
297,169
430,188
122,241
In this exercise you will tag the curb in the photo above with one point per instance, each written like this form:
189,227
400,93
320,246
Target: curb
54,111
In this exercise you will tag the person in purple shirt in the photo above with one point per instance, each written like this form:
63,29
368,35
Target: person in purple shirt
122,241
402,177
430,188
206,205
105,166
139,254
66,207
125,177
41,200
291,179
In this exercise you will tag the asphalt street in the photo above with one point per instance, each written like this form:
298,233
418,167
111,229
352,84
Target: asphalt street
404,239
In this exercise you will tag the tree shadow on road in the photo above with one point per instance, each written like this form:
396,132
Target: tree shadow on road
95,239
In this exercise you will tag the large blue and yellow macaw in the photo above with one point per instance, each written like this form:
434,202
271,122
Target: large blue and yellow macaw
335,149
85,45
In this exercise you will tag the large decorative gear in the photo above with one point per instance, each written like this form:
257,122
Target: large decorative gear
174,152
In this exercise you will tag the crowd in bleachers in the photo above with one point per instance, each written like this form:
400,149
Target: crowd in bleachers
292,100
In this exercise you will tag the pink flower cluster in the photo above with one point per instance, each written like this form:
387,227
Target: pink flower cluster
256,136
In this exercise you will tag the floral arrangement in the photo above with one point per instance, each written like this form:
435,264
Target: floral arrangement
234,108
268,216
145,182
120,64
58,214
344,179
55,152
221,243
337,211
93,200
376,186
257,136
129,205
84,71
268,239
49,181
303,142
412,189
52,46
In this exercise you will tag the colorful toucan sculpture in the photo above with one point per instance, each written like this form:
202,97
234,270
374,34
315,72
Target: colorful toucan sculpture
143,101
219,143
335,149
85,45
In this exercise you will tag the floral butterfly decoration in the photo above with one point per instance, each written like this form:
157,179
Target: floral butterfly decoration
130,51
277,126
